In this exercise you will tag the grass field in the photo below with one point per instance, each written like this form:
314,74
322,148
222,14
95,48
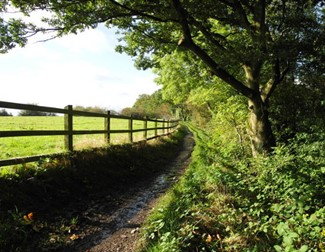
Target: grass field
13,147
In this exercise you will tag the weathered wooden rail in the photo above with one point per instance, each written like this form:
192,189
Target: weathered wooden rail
167,127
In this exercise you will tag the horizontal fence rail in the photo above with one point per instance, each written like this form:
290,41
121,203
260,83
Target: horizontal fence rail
167,127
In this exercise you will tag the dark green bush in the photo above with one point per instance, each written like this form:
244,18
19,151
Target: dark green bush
266,204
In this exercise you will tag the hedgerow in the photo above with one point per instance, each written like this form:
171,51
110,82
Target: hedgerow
273,203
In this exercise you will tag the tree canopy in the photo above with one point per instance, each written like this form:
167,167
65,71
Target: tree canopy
152,106
223,34
248,44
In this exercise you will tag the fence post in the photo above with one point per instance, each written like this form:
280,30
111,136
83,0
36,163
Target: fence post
168,126
145,126
131,129
163,126
108,127
156,126
68,125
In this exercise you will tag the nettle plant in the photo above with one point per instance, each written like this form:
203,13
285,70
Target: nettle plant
288,195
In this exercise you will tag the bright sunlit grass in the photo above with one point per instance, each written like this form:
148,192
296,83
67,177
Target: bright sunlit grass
12,147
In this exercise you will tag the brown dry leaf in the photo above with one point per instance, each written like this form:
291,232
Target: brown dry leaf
74,237
30,216
208,239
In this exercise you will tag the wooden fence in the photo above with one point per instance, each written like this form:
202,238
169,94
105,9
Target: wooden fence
167,127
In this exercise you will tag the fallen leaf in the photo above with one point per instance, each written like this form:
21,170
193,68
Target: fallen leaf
209,239
74,237
30,216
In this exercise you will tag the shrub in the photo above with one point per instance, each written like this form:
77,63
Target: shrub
266,204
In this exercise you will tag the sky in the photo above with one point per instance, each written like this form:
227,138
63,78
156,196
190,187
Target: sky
81,69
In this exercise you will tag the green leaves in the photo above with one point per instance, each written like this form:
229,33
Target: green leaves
244,44
12,32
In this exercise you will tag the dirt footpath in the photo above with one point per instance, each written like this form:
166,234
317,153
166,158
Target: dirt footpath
113,222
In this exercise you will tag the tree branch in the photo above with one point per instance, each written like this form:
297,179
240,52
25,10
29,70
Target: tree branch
220,72
243,15
133,12
187,42
208,35
270,86
182,14
159,39
246,3
237,7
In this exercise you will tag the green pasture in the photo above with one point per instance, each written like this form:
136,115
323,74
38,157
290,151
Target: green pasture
13,147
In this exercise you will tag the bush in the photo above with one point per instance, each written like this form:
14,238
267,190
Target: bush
34,113
266,204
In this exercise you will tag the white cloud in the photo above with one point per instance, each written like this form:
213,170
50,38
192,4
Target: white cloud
93,41
78,70
76,85
90,41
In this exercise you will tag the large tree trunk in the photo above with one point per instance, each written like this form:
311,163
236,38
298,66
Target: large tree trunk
261,135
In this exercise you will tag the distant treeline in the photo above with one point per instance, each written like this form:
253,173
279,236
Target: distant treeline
95,109
151,106
4,112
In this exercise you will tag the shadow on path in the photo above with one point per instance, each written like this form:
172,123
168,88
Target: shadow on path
112,222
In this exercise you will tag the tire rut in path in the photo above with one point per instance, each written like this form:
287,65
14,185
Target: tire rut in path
119,230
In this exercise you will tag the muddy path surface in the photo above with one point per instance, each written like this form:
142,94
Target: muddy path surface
112,222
